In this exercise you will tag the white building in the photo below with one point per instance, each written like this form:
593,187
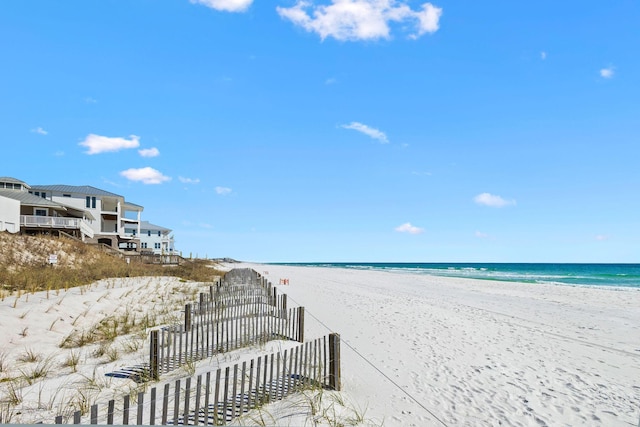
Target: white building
21,210
156,239
115,219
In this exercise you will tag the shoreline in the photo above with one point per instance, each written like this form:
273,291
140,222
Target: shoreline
635,287
531,354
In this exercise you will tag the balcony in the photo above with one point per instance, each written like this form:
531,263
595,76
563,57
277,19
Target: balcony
56,222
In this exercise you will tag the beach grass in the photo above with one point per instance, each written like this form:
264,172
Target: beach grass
24,268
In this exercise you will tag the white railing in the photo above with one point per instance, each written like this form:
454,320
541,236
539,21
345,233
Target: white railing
55,222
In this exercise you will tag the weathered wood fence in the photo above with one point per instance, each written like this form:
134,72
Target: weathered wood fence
217,397
242,309
198,338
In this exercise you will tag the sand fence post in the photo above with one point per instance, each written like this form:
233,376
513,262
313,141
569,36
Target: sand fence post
94,414
187,317
300,324
140,411
334,361
154,374
283,306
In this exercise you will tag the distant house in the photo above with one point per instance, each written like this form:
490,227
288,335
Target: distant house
156,239
22,210
116,223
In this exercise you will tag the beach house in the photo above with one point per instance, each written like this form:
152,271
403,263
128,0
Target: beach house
23,210
156,239
115,223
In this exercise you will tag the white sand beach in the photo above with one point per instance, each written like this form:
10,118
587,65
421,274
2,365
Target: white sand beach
475,352
416,350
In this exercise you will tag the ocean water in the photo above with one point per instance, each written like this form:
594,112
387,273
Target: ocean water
623,275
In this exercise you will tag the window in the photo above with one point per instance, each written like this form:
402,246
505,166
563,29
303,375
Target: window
158,233
41,212
66,195
144,245
37,193
93,202
88,203
149,233
44,195
156,245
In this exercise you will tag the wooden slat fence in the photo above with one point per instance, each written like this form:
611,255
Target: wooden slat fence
243,276
217,397
242,309
176,345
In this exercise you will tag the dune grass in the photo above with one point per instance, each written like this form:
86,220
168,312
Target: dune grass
23,266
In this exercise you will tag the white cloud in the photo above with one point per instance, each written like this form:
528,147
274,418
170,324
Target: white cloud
607,73
59,153
408,228
145,175
90,100
602,237
188,180
225,5
481,235
429,20
372,132
543,55
330,81
223,191
39,131
149,152
362,19
101,144
487,199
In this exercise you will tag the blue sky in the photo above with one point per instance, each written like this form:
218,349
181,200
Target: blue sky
338,130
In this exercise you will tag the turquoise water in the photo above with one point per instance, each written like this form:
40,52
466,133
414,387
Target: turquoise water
625,275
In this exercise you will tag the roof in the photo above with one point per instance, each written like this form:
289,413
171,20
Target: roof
146,225
29,199
133,206
78,189
79,212
13,180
